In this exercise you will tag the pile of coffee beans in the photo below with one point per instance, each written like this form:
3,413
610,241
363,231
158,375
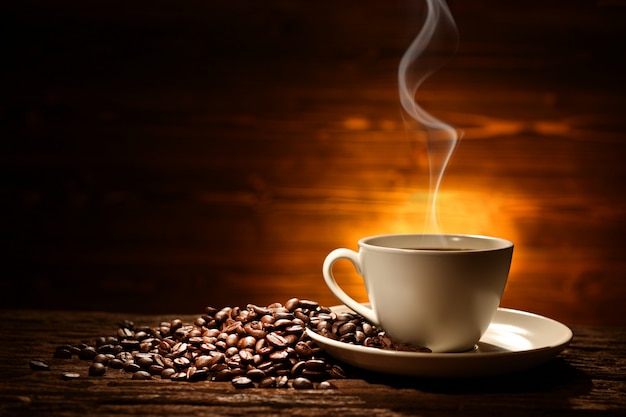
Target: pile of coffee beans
263,347
352,328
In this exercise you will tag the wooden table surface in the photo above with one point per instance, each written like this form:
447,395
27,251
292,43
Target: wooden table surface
586,379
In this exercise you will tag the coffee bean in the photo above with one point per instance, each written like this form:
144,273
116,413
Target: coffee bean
292,304
282,381
303,350
87,353
125,333
301,315
141,375
232,339
298,368
260,311
126,324
231,351
130,344
132,367
179,376
195,375
337,372
275,307
167,373
256,374
248,342
302,383
283,314
235,312
70,375
106,348
144,362
280,324
276,340
279,355
155,369
205,361
315,365
315,376
242,382
291,339
246,356
145,345
39,365
101,358
309,304
348,327
269,382
62,353
97,369
116,364
326,385
294,328
179,348
181,362
225,374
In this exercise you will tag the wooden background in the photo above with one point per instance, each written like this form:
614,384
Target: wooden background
158,157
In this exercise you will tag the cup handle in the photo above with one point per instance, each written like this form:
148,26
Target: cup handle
327,271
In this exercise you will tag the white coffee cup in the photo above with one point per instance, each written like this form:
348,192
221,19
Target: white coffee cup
439,291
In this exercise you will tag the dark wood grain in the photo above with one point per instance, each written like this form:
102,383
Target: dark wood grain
587,379
156,156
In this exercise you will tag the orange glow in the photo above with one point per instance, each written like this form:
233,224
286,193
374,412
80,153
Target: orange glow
458,211
472,211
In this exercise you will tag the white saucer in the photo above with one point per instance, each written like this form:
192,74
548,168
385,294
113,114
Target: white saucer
515,340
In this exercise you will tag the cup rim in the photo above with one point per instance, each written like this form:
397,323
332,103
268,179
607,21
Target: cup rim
498,243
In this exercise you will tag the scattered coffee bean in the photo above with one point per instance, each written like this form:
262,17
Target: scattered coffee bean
39,365
144,362
268,382
97,369
167,373
101,358
70,375
256,374
116,364
131,367
326,385
87,353
141,375
302,383
242,382
282,381
62,353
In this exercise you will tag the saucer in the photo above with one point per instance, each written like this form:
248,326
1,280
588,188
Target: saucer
515,340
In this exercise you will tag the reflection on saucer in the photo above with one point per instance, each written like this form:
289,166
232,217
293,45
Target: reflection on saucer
506,337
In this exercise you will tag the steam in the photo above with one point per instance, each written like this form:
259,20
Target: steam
437,40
